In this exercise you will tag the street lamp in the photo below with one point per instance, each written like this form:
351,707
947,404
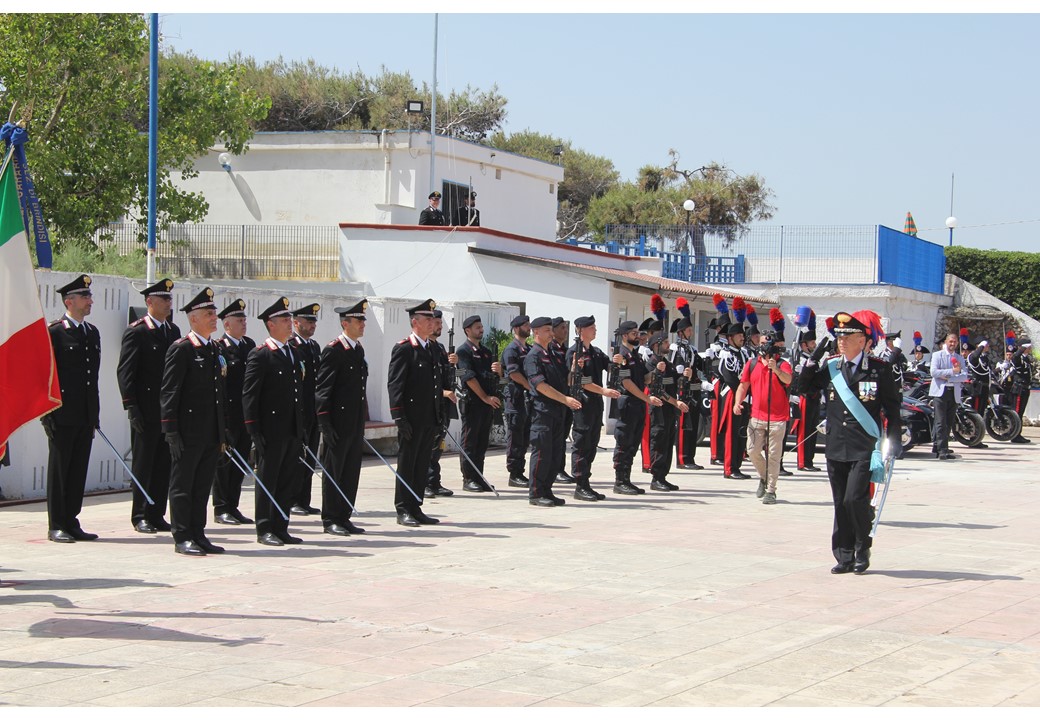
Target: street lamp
951,222
689,206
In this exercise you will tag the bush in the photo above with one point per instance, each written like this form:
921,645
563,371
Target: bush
85,257
1014,277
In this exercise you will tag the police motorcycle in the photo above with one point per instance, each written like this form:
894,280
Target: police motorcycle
968,428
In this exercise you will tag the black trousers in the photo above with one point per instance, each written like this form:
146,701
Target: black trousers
227,488
433,474
518,437
568,423
586,431
809,407
151,465
67,475
476,433
945,407
981,400
853,515
686,432
662,439
304,477
628,435
278,468
191,479
343,462
547,443
413,464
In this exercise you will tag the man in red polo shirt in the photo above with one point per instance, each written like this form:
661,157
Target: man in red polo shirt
768,376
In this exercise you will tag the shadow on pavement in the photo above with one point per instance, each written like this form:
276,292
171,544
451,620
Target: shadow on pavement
126,631
55,600
85,584
194,615
51,665
942,575
958,526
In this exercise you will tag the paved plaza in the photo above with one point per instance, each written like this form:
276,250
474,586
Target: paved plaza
702,597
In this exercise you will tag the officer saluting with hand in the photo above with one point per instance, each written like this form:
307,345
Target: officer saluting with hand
70,428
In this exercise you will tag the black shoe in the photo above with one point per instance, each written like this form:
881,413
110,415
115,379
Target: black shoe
161,525
541,502
809,468
143,526
60,536
519,481
241,518
862,562
564,477
761,489
205,544
299,510
690,466
1018,439
226,519
288,539
79,534
405,518
584,493
425,519
947,455
627,488
660,485
717,462
981,446
556,500
599,495
737,476
353,529
189,547
269,539
784,472
475,486
841,568
429,492
335,529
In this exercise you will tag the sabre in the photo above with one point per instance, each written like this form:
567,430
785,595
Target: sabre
322,468
130,472
472,464
805,439
401,479
244,466
890,463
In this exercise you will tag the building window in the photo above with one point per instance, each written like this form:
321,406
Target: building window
552,188
452,201
498,173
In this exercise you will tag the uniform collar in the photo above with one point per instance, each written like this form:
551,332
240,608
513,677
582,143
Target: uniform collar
72,320
416,340
347,341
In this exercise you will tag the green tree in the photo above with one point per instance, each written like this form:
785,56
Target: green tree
80,82
585,176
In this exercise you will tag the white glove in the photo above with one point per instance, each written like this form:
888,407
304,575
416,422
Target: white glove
707,386
898,342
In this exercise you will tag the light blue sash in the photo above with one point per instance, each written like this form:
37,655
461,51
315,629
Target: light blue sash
877,464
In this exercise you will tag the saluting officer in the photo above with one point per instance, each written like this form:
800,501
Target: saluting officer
414,383
235,346
273,409
588,421
1021,380
478,400
70,428
979,368
631,409
142,359
849,444
517,414
308,351
548,380
193,403
341,384
432,215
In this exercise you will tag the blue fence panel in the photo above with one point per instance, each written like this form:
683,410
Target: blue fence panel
909,261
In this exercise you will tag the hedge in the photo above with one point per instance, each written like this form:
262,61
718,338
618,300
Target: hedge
1014,277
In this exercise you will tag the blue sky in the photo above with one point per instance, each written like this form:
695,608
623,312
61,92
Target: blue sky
851,119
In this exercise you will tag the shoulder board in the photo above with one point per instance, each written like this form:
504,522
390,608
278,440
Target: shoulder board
402,342
334,341
138,321
59,321
149,322
269,342
412,340
194,340
181,340
225,341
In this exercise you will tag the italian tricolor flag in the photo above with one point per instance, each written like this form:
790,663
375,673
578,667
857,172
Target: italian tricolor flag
28,375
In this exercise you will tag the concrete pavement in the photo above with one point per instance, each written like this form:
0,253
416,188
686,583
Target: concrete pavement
694,598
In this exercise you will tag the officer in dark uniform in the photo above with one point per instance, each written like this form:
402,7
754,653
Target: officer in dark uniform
70,428
631,410
478,374
1021,380
414,383
663,385
307,349
448,412
807,402
558,349
689,365
467,214
432,215
235,346
979,369
142,359
341,387
193,403
272,405
893,355
549,400
849,445
589,362
517,412
733,428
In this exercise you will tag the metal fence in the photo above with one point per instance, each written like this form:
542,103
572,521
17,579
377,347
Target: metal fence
256,252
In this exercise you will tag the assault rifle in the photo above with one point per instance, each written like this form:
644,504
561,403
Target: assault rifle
614,370
574,377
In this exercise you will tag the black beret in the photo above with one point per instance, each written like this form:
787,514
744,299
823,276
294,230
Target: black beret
438,314
584,321
541,321
627,327
470,321
657,338
557,321
519,320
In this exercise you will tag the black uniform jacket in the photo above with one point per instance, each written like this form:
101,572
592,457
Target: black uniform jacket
542,367
475,363
875,385
309,352
235,356
342,377
414,383
271,392
142,361
77,354
513,361
432,216
193,398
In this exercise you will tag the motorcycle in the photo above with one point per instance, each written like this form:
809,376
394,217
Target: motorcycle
1001,421
968,427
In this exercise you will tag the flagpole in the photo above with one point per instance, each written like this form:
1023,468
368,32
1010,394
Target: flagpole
153,138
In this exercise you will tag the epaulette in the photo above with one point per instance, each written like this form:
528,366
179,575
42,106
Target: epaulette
402,342
55,322
137,322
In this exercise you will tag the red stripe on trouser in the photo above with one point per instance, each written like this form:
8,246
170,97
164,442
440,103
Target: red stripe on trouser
802,429
644,450
679,443
715,424
727,418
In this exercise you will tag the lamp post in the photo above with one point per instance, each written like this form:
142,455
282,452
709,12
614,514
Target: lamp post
689,206
951,222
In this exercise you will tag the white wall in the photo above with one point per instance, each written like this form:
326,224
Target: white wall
327,178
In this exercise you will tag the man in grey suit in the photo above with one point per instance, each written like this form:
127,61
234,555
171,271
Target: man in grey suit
948,374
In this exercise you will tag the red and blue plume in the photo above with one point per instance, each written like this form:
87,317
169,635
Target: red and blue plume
683,307
918,339
1010,339
829,322
657,307
720,304
811,325
752,316
776,319
964,336
873,322
739,309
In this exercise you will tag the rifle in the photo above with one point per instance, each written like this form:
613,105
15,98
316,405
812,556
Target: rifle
657,384
574,383
614,370
451,349
683,387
